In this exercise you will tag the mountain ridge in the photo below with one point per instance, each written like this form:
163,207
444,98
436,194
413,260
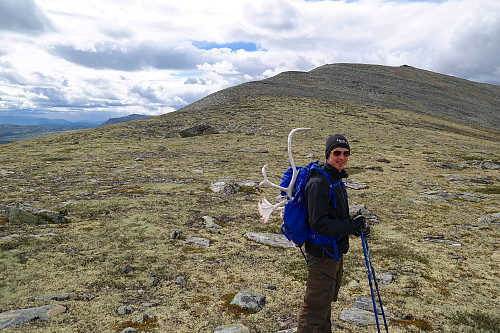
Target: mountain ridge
402,87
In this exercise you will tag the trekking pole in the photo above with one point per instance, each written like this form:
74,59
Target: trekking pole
376,283
370,280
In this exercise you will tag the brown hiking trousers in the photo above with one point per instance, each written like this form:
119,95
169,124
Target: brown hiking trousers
324,276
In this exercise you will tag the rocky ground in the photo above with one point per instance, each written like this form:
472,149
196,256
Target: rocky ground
151,242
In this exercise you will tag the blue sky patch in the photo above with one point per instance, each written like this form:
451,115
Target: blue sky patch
235,46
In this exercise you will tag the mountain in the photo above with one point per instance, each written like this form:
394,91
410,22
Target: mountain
39,121
403,87
33,127
150,228
131,117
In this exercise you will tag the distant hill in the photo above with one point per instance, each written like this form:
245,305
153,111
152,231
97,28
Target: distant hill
112,121
38,121
404,87
12,131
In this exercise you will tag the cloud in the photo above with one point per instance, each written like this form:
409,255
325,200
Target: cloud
130,58
152,56
23,16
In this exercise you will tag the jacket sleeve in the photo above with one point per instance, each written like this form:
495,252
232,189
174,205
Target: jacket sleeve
318,208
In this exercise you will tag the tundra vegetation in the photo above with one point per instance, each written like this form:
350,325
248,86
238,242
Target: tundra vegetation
126,188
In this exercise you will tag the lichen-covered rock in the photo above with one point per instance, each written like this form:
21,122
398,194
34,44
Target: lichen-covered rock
197,130
27,214
232,328
15,317
250,300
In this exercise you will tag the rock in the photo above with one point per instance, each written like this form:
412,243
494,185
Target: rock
53,297
353,284
355,185
482,165
447,197
362,313
441,239
249,150
232,328
88,296
15,317
290,330
176,235
197,130
124,310
225,188
210,222
270,239
127,269
385,278
492,218
271,287
198,241
144,317
468,181
249,300
382,160
27,214
180,280
129,330
447,165
368,214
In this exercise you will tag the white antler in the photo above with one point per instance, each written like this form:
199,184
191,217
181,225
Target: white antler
265,207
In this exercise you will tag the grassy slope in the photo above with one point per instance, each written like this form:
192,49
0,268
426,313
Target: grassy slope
125,194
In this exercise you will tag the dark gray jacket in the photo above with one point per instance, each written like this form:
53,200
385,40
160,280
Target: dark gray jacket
323,218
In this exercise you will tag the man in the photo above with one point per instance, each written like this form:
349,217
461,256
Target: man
328,217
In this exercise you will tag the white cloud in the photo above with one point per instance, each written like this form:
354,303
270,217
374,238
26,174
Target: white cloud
138,56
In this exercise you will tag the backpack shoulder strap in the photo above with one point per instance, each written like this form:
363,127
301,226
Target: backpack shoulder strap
331,185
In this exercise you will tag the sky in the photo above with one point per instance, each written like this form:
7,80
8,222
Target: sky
95,59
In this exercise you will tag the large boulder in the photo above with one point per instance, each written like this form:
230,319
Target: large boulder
27,214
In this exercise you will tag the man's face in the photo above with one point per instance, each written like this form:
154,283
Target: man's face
338,158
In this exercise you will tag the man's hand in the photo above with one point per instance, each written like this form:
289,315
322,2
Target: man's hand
362,225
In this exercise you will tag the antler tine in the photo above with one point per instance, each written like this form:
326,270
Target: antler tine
266,208
288,190
295,173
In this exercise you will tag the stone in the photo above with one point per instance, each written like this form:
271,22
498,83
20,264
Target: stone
15,317
362,314
176,235
144,317
124,310
198,241
127,269
210,222
385,278
275,240
27,214
225,188
53,297
355,185
491,218
129,330
198,130
441,239
250,300
232,328
447,165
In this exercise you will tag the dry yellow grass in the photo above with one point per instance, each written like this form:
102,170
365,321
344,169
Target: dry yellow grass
127,187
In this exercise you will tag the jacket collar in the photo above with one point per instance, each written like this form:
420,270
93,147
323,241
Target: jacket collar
335,172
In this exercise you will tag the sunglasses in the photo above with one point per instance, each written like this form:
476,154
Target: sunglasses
337,153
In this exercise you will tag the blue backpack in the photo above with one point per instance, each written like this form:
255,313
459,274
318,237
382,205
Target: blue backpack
294,225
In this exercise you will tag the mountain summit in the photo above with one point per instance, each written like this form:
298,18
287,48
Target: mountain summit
403,87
